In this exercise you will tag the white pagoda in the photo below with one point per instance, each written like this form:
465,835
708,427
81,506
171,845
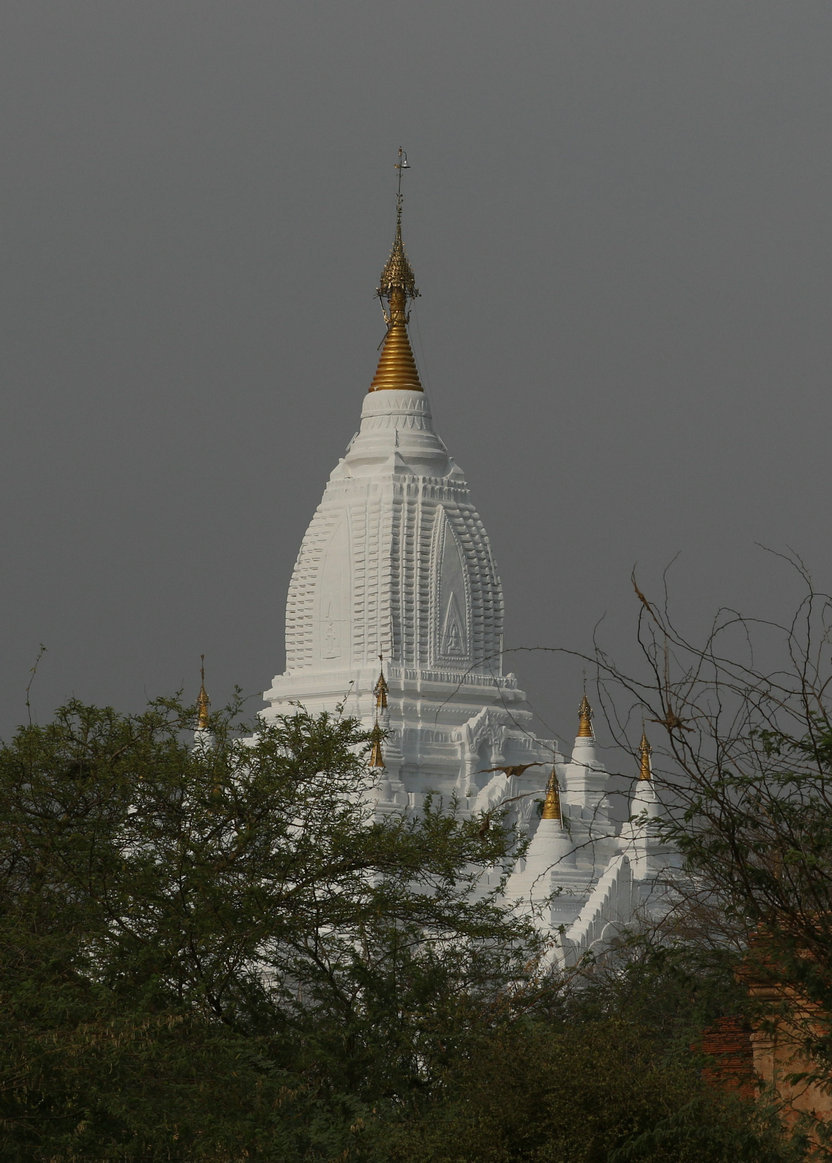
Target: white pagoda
396,564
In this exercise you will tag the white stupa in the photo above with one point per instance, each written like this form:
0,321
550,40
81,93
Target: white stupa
396,563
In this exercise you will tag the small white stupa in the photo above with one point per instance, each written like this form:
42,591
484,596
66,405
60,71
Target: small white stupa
203,738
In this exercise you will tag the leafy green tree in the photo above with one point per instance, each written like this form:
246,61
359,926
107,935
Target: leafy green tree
210,946
219,952
597,1074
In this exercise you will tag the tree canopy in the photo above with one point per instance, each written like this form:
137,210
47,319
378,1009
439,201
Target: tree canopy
220,951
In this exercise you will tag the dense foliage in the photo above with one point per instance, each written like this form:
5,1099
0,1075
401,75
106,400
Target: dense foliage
219,952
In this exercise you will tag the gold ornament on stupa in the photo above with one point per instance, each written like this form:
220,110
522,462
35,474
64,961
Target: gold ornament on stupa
397,284
645,751
585,720
203,703
551,805
381,689
376,757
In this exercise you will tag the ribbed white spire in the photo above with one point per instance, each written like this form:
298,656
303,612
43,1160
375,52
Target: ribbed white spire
396,560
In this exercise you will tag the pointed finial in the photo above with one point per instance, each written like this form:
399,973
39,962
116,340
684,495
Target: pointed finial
202,700
585,719
380,689
397,273
551,805
376,757
397,283
645,751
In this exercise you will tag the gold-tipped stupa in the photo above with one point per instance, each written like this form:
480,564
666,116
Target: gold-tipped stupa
551,805
585,720
376,757
381,689
396,365
645,751
203,703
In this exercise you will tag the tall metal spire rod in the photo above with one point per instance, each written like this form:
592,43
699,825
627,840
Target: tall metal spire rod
401,164
397,283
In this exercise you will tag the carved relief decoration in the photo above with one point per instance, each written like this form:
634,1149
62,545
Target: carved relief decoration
450,616
333,599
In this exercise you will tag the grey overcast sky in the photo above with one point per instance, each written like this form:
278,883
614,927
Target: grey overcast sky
619,217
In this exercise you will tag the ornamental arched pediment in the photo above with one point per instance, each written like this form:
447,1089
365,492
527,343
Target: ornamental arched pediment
450,597
488,728
332,644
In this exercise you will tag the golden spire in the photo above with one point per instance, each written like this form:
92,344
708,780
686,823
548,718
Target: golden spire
585,720
645,751
396,365
551,805
380,689
376,758
202,700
